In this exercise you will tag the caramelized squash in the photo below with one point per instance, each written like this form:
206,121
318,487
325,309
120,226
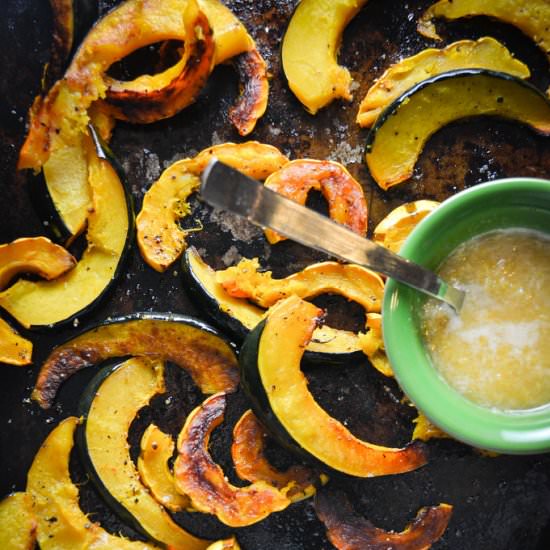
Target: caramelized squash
310,48
199,477
346,200
189,343
14,349
277,388
485,53
347,530
17,522
399,135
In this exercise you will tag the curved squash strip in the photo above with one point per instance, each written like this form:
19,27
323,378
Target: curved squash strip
354,282
398,137
393,230
485,53
17,522
247,451
153,98
270,369
156,449
160,238
188,343
14,349
109,407
198,476
225,544
33,255
49,303
239,317
309,51
344,194
347,530
56,496
372,344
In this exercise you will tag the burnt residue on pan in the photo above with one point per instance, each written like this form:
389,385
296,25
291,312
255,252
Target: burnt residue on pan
502,502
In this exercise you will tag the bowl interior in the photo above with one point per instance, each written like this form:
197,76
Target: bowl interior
514,202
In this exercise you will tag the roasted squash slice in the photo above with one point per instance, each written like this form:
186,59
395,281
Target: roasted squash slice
61,523
425,430
47,304
199,477
17,522
160,239
372,344
157,448
33,255
225,544
14,349
251,464
109,405
485,53
189,343
310,48
277,388
346,200
347,530
398,137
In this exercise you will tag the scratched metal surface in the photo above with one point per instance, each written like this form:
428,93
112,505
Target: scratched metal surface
501,503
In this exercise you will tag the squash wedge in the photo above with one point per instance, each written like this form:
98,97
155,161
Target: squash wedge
17,522
277,388
485,53
310,48
14,349
225,544
400,133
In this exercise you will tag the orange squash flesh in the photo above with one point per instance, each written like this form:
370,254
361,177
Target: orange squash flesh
17,522
344,194
199,477
14,349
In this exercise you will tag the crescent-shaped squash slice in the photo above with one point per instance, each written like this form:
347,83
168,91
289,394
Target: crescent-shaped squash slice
191,344
160,238
17,522
33,255
61,524
485,53
400,133
47,304
251,464
199,477
372,344
238,316
14,349
109,405
271,376
225,544
346,200
310,48
347,530
157,448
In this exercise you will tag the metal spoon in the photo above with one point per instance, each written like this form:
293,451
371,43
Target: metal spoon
228,189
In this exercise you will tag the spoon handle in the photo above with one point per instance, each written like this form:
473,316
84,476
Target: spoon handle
228,189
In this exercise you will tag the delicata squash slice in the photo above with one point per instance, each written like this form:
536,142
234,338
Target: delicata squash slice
400,133
199,477
277,388
17,522
486,53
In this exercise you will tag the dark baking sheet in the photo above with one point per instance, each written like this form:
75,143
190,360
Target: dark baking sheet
502,503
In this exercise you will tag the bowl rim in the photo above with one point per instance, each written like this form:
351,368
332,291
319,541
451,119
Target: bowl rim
514,432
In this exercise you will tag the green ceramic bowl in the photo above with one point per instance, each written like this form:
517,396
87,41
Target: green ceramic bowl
515,202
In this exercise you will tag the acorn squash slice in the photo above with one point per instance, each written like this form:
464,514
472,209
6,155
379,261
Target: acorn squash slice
310,48
33,255
160,238
17,522
109,405
157,448
14,349
271,376
48,304
190,344
247,450
238,316
345,197
485,53
400,133
347,530
225,544
199,477
61,524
